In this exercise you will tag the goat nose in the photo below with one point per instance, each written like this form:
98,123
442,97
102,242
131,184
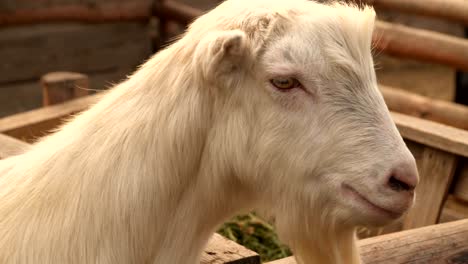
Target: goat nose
404,178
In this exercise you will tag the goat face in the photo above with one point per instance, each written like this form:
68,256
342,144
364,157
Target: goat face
301,121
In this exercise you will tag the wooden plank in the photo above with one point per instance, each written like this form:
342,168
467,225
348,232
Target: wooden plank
432,134
444,112
454,209
222,250
436,169
11,146
19,97
29,52
423,45
59,87
25,96
452,10
443,243
28,126
106,11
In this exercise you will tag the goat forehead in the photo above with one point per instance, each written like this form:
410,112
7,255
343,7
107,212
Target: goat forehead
310,48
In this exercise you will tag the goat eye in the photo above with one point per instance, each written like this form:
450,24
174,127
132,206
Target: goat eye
285,83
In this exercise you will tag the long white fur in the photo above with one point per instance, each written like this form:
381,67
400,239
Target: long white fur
197,134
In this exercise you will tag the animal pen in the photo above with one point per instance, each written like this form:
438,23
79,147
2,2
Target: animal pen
435,230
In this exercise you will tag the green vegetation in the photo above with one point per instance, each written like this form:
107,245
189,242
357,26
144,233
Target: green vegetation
256,234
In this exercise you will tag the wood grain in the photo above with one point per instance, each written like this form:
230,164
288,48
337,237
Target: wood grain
436,169
454,209
444,112
443,243
29,52
30,125
452,10
419,44
89,12
221,250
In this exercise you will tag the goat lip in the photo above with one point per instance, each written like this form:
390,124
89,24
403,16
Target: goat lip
376,208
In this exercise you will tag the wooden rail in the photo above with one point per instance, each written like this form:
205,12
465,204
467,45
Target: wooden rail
444,112
443,243
100,13
424,45
452,10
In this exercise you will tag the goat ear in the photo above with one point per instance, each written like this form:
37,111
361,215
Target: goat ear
222,55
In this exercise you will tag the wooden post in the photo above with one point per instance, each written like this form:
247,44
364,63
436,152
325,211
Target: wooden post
58,87
461,187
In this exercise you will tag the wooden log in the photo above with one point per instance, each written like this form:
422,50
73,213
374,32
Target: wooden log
429,133
11,146
423,45
452,10
59,87
88,13
30,125
396,40
436,169
221,250
444,112
442,243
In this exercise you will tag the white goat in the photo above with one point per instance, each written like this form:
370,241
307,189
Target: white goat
265,104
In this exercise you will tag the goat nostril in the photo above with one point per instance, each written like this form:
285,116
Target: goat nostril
398,185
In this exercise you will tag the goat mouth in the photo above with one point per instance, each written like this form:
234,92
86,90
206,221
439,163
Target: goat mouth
350,191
